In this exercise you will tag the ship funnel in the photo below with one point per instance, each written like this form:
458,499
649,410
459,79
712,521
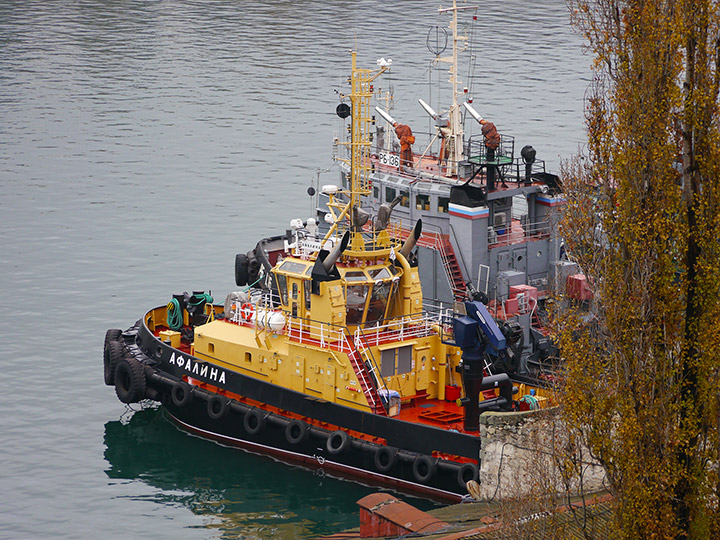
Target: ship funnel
428,109
411,239
336,251
474,113
385,115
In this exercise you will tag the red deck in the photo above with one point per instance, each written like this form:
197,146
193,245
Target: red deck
433,412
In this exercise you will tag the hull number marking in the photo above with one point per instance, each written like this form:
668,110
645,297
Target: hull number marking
389,159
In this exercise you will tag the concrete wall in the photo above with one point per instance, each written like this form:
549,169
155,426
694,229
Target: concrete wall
533,454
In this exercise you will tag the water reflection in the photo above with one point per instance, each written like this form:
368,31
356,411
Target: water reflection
244,495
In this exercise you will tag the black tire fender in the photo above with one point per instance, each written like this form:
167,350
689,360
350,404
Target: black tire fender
181,394
254,421
130,380
253,268
241,269
337,442
296,431
468,471
217,406
424,468
385,458
112,354
112,335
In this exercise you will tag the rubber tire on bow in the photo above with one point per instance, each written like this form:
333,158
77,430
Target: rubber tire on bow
468,471
337,442
112,354
130,380
112,335
296,431
253,268
385,458
423,468
217,406
241,269
181,394
254,421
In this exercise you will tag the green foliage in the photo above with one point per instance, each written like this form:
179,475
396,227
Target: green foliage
643,222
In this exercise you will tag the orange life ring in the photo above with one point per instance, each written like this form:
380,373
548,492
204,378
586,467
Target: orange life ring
247,311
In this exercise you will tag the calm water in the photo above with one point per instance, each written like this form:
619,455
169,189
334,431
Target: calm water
142,145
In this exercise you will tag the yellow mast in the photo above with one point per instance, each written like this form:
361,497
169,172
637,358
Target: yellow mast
362,121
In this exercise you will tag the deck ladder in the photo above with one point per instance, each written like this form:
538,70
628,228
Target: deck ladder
358,355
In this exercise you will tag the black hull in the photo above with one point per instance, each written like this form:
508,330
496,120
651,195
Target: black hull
357,463
295,428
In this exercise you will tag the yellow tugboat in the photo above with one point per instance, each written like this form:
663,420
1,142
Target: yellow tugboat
335,363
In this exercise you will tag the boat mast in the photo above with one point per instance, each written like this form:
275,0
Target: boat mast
455,137
362,121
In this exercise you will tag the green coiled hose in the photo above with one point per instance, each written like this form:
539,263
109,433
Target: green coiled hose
174,315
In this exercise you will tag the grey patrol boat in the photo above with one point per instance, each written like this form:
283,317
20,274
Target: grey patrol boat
490,213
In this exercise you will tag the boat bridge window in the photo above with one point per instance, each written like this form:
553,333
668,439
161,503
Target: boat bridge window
376,192
355,275
368,294
443,203
422,202
282,288
380,273
381,292
356,296
389,194
293,267
405,199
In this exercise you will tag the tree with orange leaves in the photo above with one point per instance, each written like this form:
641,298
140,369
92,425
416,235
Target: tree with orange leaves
642,220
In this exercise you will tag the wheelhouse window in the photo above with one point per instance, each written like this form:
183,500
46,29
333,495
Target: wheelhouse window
356,296
282,288
293,267
422,202
355,275
380,273
443,203
405,198
378,301
389,194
